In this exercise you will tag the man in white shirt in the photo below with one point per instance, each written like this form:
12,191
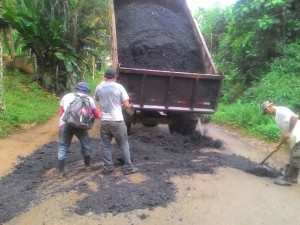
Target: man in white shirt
113,97
289,126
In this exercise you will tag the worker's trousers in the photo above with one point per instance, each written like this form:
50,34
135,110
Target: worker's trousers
118,130
292,169
295,155
66,133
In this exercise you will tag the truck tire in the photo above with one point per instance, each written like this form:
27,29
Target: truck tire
150,114
190,127
185,123
150,124
184,127
171,128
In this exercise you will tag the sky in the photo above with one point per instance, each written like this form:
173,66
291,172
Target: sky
195,4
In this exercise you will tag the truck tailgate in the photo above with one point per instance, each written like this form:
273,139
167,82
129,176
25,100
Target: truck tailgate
171,91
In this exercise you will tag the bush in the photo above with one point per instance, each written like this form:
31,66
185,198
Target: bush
282,83
247,117
26,102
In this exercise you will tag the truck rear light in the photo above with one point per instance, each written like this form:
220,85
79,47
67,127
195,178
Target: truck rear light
181,102
203,103
155,100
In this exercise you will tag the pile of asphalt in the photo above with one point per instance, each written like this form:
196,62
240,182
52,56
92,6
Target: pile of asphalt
151,36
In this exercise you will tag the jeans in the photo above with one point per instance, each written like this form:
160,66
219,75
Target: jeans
118,130
66,133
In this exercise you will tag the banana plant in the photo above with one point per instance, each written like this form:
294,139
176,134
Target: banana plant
56,31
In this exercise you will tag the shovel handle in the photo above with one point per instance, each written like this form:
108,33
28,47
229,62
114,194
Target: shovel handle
262,162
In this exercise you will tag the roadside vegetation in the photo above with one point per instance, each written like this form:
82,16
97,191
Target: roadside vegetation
65,39
64,36
256,44
28,103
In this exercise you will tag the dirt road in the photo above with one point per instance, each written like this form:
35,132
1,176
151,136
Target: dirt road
187,183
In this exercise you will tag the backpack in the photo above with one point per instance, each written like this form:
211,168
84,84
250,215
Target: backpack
79,113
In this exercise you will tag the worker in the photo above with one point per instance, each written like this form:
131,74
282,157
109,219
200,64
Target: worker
289,126
113,97
98,64
66,131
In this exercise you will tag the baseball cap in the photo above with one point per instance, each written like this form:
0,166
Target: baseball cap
265,105
110,72
83,87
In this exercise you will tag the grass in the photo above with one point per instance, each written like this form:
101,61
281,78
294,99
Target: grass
94,82
247,117
28,103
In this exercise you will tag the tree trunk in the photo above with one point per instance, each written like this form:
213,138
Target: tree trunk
11,37
2,103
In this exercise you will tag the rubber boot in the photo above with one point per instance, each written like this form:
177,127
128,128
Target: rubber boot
61,172
287,179
295,175
87,163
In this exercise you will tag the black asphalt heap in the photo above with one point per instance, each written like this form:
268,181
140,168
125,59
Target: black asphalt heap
154,37
159,156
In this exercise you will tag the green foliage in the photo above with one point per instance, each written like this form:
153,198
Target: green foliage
60,33
26,102
213,22
14,40
43,29
282,83
256,32
248,118
93,81
259,54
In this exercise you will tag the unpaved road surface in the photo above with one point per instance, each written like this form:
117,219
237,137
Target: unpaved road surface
182,180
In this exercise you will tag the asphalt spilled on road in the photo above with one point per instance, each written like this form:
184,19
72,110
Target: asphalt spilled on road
159,157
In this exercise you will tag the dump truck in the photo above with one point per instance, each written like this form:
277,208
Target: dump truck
164,64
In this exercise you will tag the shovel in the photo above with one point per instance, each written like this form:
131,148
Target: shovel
262,162
264,170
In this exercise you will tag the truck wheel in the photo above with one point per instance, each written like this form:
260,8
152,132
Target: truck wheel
171,128
185,127
185,123
150,124
150,114
190,127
